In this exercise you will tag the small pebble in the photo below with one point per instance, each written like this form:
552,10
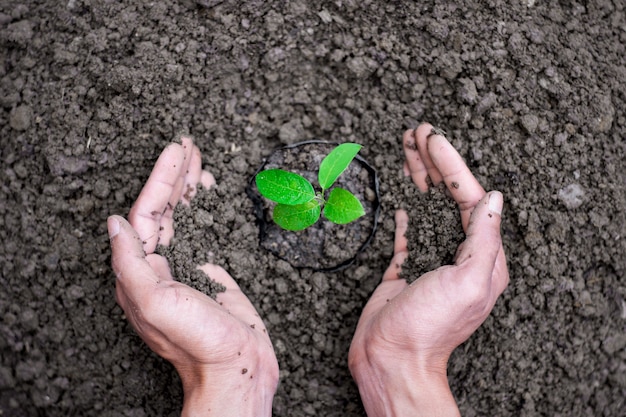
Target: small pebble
20,118
530,122
572,196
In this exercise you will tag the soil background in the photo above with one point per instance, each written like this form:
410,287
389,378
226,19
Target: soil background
531,92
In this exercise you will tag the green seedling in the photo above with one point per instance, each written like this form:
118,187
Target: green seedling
300,205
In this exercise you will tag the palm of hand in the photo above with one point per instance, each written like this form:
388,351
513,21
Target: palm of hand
422,323
197,334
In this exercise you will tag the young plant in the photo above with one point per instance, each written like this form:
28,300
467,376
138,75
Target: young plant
299,205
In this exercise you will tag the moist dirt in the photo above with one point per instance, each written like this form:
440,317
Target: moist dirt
531,93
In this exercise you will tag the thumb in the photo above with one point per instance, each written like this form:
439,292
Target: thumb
483,241
127,255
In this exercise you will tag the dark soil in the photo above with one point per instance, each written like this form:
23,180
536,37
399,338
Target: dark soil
531,93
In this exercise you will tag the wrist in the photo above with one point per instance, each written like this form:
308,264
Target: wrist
235,393
391,388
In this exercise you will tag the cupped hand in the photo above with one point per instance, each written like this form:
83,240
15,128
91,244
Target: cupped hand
220,347
406,333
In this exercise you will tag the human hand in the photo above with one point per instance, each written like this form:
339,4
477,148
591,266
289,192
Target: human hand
406,333
221,348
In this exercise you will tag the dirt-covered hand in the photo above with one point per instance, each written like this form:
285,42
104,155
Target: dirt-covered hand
220,348
406,333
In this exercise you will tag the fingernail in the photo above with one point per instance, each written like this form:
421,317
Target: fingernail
435,131
114,227
495,202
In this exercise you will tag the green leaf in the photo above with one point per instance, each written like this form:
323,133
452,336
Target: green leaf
297,217
284,187
336,162
342,207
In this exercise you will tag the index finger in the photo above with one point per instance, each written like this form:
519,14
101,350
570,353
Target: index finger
159,196
459,180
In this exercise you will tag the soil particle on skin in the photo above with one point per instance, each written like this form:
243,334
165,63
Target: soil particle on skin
530,93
